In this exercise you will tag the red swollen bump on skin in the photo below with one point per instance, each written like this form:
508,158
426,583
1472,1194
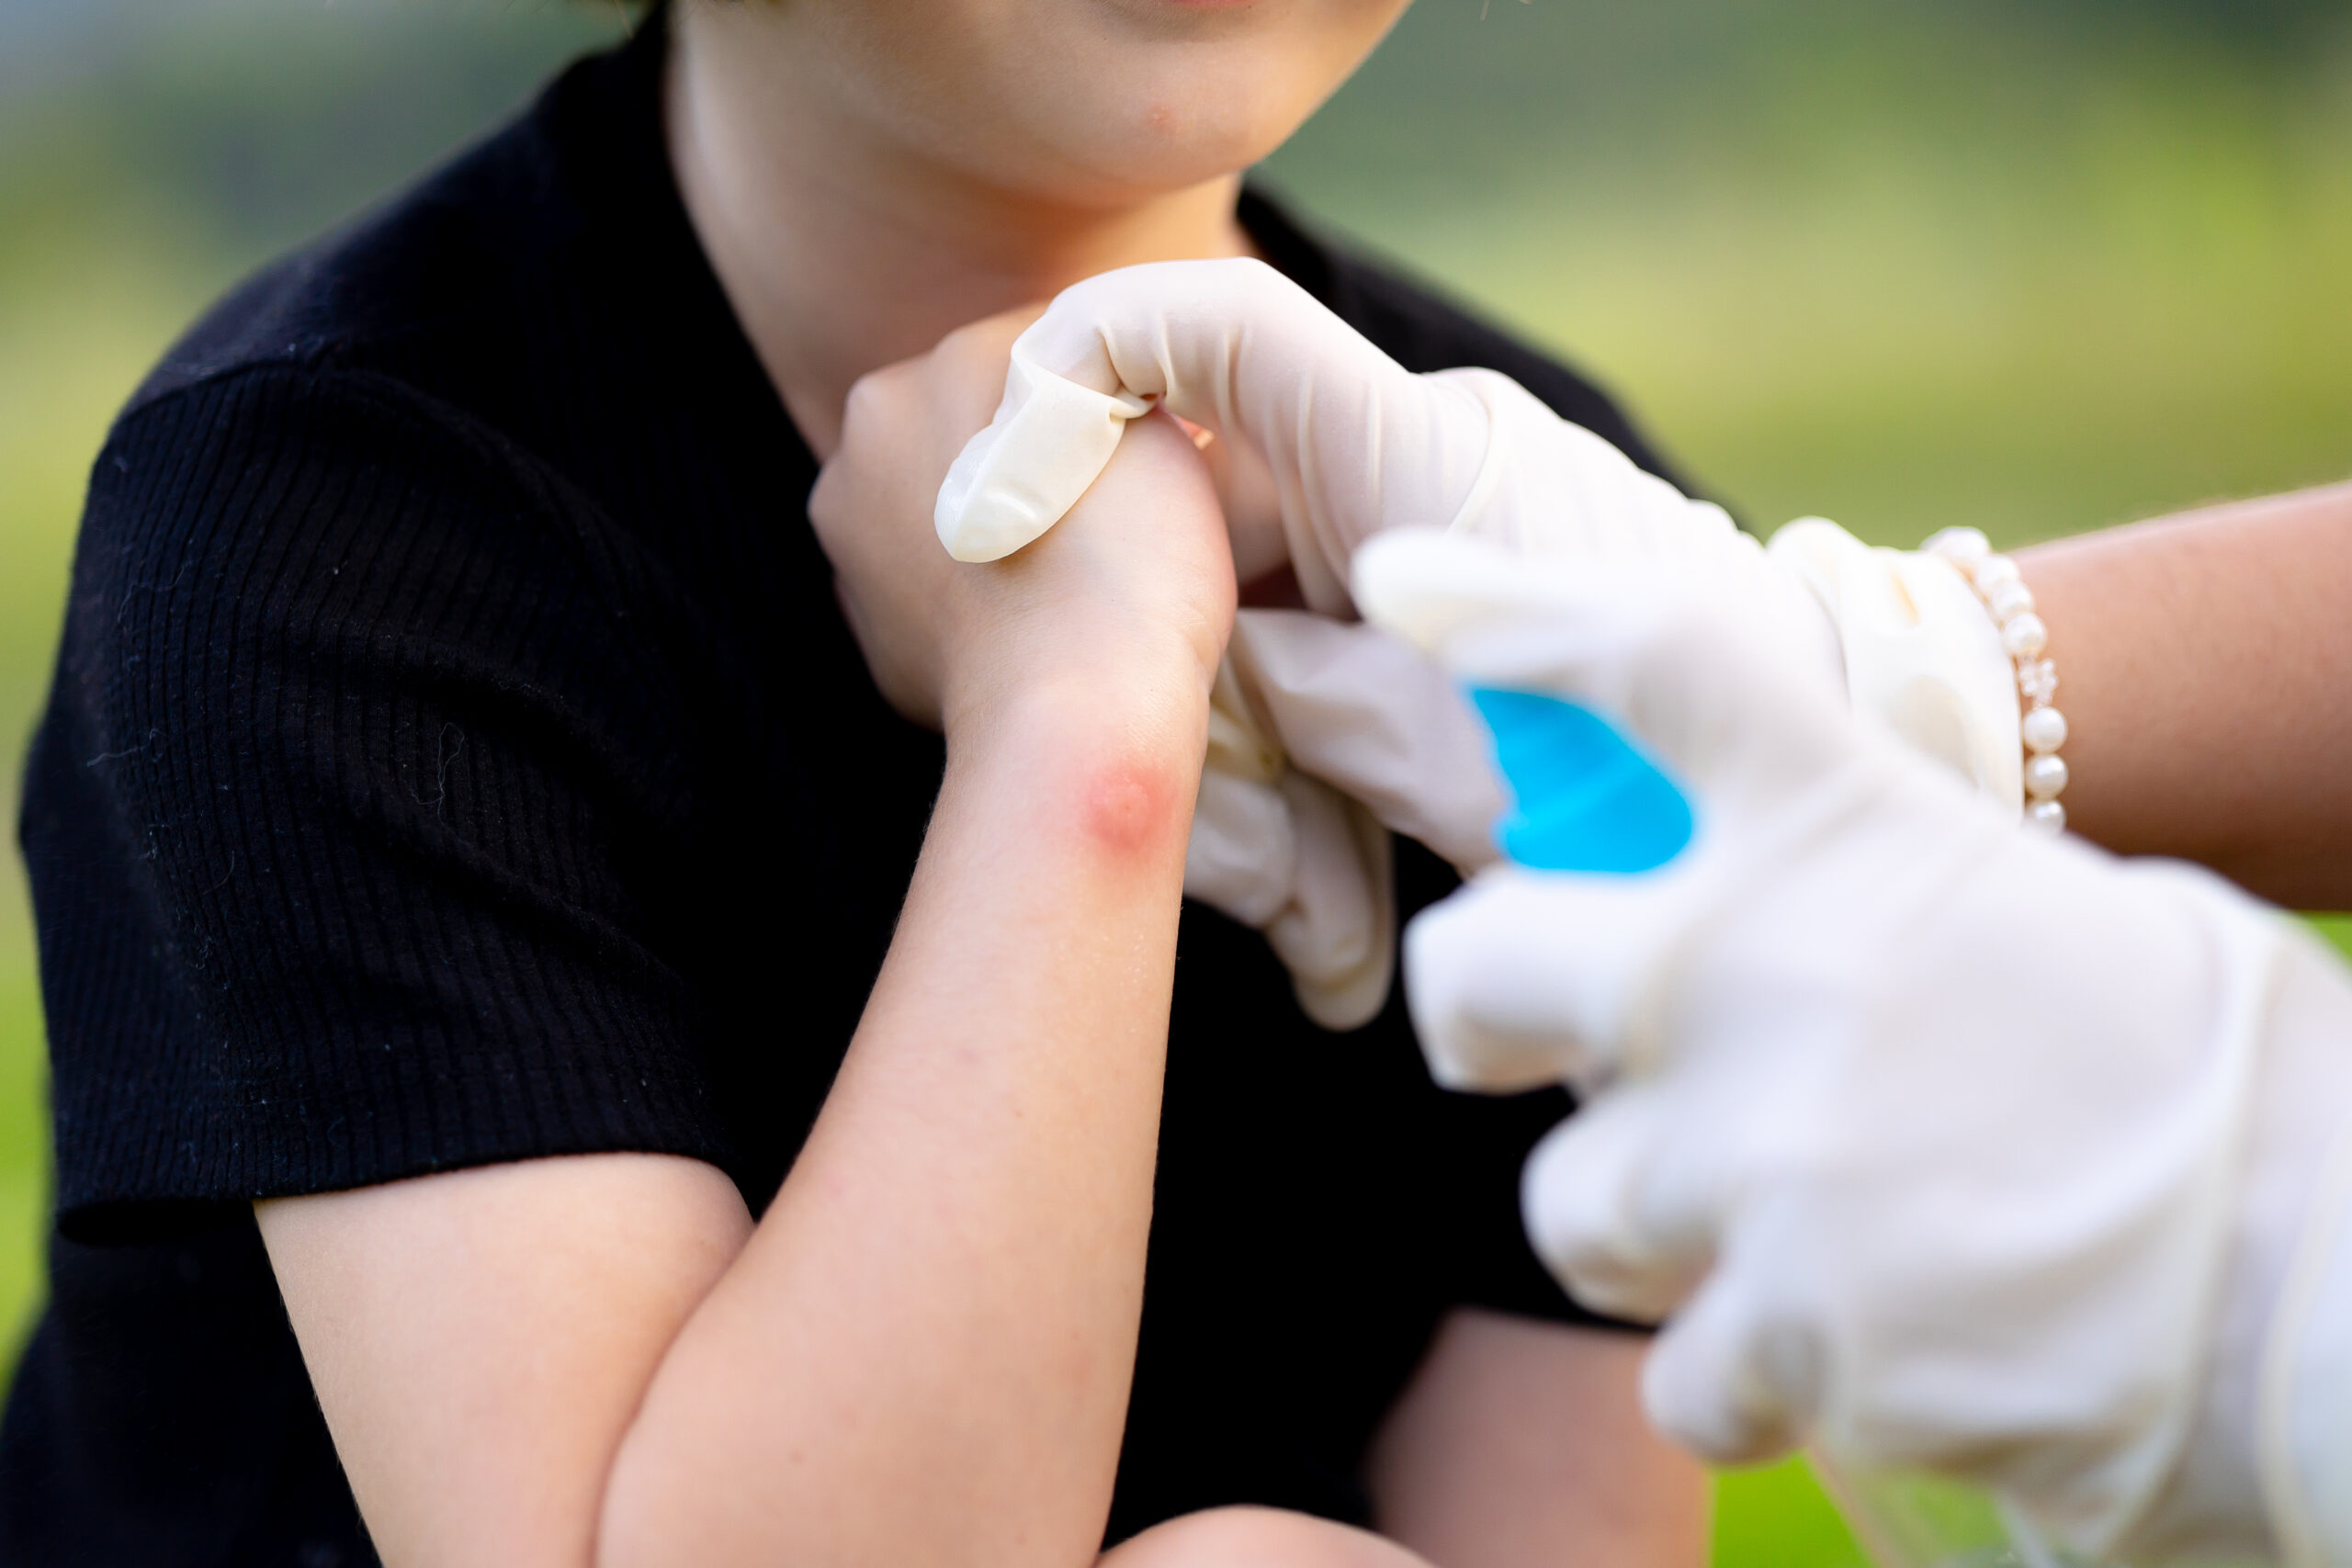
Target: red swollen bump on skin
1129,808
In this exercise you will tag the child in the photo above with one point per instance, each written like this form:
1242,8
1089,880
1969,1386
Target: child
693,1115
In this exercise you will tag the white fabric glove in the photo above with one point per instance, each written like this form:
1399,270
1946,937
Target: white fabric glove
1920,653
1353,443
1944,1144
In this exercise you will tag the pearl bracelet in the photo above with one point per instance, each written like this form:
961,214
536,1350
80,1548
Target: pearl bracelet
2009,601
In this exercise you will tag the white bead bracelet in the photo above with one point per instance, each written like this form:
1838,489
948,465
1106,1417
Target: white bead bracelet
2009,601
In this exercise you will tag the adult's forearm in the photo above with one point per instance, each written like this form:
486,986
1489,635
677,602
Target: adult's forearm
923,1354
2206,661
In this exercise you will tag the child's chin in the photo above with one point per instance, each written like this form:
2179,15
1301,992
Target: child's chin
1173,140
1104,168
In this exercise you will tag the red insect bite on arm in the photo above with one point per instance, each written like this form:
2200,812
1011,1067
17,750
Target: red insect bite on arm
1133,808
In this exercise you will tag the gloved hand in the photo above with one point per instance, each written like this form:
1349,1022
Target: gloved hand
1945,1144
1354,443
1350,443
1381,741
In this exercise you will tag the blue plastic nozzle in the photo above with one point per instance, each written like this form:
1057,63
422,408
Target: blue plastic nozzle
1583,798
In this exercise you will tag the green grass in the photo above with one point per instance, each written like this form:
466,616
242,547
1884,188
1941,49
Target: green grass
1777,1516
24,1150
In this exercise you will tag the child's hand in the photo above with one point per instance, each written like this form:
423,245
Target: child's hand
1134,593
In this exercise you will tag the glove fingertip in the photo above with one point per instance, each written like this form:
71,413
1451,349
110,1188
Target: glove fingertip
1421,583
1049,442
1726,1387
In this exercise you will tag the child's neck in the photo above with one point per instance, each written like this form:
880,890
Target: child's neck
842,251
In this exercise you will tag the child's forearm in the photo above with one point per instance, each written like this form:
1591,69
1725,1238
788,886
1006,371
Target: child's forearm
923,1355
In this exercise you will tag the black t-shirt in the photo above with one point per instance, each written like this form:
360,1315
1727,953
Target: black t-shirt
457,756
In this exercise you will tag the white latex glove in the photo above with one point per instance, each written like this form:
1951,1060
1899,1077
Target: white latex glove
1380,741
1944,1144
1351,444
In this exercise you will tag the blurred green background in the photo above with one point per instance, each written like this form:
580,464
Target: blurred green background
2033,265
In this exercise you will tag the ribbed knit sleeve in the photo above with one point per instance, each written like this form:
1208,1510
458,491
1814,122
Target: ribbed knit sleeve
349,821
